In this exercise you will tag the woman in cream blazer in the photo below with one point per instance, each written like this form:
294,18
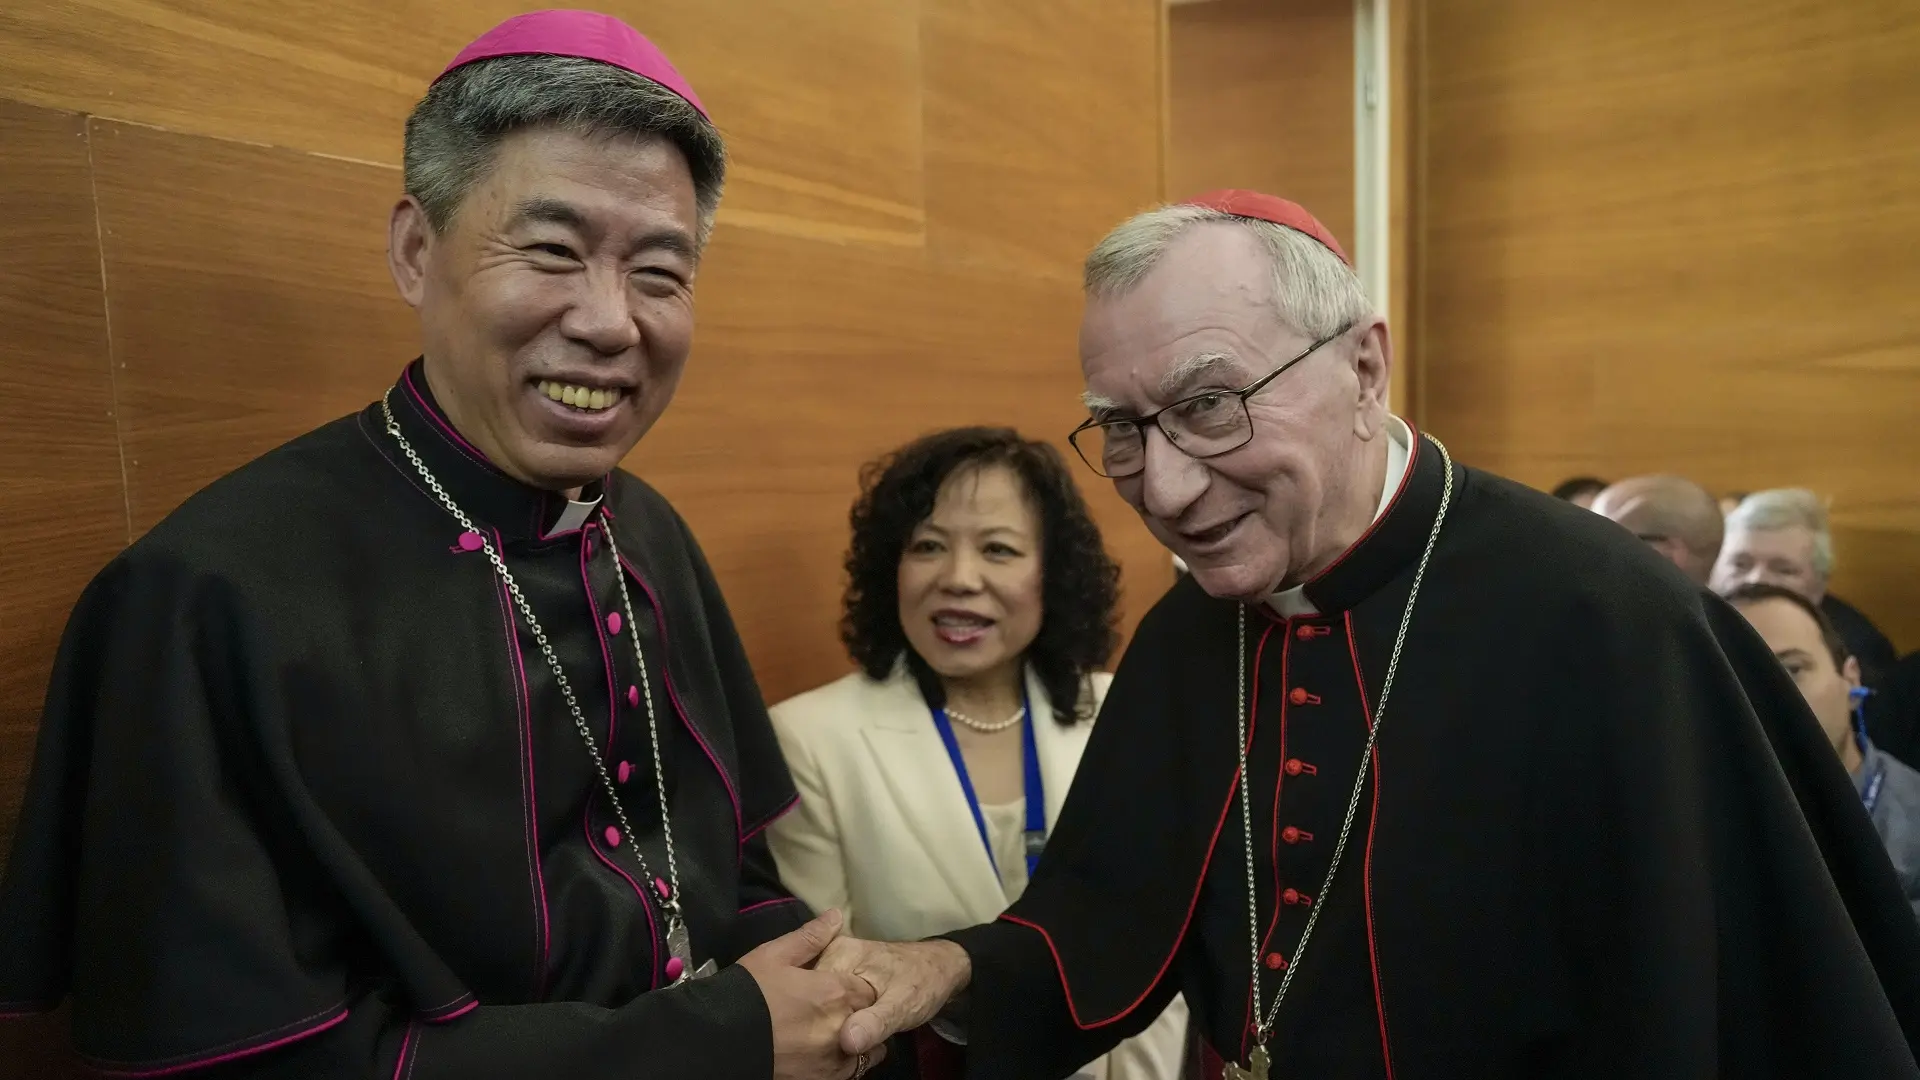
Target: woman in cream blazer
979,595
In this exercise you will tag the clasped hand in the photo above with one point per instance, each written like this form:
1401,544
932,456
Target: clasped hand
810,1006
911,982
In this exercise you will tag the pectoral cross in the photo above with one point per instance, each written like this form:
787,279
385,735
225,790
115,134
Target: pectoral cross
1256,1068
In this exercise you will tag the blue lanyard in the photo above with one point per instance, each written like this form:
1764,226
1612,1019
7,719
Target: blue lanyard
1036,833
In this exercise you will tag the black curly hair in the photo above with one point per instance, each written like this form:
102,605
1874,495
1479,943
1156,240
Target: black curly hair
1080,584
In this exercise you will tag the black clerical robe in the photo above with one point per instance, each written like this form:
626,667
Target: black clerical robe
1602,836
308,801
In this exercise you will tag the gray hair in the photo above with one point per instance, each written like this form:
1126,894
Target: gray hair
1315,291
456,129
1784,508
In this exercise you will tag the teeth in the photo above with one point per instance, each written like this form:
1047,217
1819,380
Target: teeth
581,397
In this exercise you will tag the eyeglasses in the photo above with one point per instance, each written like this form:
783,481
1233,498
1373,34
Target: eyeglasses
1205,425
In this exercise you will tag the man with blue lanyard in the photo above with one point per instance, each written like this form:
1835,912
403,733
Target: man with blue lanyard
1811,649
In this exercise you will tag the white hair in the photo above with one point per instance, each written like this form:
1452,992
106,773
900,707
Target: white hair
1784,508
1315,291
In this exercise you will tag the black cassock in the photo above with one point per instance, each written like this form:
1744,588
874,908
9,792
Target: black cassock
308,800
1603,836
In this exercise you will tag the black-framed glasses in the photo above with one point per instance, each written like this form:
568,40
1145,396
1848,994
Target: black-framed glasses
1205,425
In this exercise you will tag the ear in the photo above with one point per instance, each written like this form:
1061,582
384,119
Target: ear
410,243
1850,671
1373,371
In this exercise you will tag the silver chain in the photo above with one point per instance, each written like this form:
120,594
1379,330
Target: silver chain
671,902
1264,1026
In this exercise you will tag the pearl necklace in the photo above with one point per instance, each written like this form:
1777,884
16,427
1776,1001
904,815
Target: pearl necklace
986,729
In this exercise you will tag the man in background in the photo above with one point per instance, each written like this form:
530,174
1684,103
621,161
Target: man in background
1812,652
1580,490
1781,537
1671,514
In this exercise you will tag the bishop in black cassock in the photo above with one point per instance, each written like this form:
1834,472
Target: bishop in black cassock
424,746
1490,791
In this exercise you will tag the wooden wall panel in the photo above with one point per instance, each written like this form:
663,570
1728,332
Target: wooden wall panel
1039,118
250,300
1262,98
821,97
1661,237
61,512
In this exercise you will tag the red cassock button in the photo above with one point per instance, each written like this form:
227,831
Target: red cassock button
633,696
613,622
1291,896
1293,766
674,967
470,541
1275,961
625,770
613,836
1303,633
1290,834
1298,696
660,886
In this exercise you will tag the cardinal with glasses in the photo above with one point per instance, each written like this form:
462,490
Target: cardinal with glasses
1418,773
424,746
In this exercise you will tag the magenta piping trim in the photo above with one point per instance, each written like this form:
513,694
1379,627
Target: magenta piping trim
666,676
443,1017
236,1055
653,925
781,811
769,903
406,1043
432,414
532,796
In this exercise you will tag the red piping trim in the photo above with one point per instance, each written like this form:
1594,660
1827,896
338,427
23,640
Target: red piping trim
406,1043
1373,947
653,925
1279,775
761,826
666,676
1200,880
1413,455
529,796
339,1012
770,903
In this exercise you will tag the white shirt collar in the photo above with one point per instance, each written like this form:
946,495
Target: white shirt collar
1293,602
574,516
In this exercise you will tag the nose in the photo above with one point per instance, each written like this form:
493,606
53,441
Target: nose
1169,479
602,314
961,573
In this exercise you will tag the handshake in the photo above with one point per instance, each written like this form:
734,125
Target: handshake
834,1001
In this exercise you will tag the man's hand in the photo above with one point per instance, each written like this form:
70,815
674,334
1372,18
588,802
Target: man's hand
810,1008
913,981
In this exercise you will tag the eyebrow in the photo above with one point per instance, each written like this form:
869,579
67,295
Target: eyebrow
551,211
1173,384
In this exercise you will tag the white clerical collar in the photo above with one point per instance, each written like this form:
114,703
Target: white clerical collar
1293,602
574,516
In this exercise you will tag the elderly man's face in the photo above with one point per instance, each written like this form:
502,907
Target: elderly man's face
1782,557
1248,520
556,309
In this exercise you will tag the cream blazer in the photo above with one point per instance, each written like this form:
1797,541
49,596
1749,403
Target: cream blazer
883,831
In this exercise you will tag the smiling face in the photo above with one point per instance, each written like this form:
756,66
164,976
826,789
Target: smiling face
1279,508
556,309
970,578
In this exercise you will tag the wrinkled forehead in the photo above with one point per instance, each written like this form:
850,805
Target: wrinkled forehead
1187,322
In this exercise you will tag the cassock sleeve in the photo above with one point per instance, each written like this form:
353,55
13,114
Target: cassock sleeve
1747,921
767,908
170,872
